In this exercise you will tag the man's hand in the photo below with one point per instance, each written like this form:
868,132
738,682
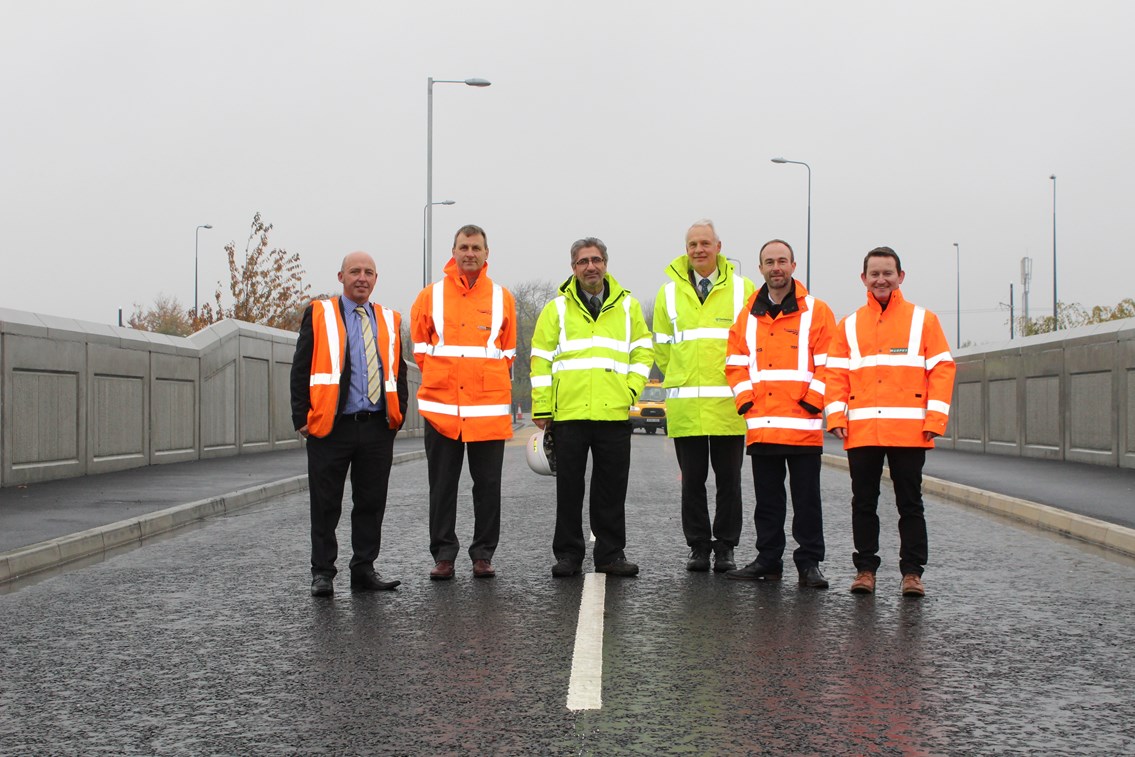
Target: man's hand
929,435
303,430
541,423
839,433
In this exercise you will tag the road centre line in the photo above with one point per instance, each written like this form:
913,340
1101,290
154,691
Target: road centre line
585,690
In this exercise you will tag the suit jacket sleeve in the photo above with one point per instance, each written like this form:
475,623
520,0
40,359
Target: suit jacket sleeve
301,372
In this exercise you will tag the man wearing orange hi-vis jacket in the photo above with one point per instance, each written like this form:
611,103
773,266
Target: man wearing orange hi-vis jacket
775,364
889,383
464,333
348,387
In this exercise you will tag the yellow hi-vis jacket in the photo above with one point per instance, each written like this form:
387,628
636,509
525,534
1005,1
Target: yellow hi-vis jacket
465,342
890,375
587,369
690,337
328,352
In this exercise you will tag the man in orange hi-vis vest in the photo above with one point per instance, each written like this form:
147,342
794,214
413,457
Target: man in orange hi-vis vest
348,394
464,333
889,383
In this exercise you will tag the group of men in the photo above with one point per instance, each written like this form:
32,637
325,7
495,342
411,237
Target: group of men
745,370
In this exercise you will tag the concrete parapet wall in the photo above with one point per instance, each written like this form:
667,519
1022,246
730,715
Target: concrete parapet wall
79,398
1063,396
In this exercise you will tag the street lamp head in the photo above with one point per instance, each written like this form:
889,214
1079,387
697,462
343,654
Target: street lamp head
1053,177
448,202
207,226
779,160
478,82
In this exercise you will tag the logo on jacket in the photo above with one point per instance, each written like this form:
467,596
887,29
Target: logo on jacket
898,350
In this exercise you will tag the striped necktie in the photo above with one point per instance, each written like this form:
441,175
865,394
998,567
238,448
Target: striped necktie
374,387
703,289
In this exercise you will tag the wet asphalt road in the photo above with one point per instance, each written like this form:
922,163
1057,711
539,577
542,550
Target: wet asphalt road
207,642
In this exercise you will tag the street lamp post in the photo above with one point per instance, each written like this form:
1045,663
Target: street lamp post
958,278
428,263
196,237
1055,302
808,254
425,266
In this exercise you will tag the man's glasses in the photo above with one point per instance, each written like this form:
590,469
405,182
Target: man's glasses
584,262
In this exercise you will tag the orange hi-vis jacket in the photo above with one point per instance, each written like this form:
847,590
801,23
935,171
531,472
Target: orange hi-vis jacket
777,363
464,342
890,375
329,350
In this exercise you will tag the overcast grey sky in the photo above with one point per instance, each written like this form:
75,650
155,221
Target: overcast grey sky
127,124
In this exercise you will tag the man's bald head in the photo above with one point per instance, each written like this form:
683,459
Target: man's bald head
358,276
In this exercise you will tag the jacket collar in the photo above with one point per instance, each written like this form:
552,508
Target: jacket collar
790,303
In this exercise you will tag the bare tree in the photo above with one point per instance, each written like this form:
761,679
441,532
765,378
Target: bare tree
531,297
267,286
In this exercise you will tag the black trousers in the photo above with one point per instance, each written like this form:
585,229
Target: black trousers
366,448
866,464
695,455
609,443
772,508
444,458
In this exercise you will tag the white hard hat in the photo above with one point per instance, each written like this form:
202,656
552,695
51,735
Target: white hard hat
541,453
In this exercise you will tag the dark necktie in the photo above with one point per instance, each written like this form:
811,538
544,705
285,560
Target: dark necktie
703,289
596,306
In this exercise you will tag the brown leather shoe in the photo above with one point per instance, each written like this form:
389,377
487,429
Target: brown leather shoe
443,571
483,569
912,586
864,583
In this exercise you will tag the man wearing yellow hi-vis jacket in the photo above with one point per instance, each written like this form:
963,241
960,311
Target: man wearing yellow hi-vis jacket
591,356
692,316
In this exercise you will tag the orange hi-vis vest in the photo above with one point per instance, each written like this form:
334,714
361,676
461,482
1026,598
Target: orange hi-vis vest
774,363
890,375
464,342
328,351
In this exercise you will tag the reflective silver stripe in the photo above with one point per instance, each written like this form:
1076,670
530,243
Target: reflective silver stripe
421,347
742,386
820,359
836,407
795,424
388,317
943,357
697,392
627,326
916,320
738,295
890,361
543,354
672,309
390,385
465,411
660,338
784,375
805,332
439,311
561,311
539,382
589,363
641,343
839,362
690,335
817,386
641,370
853,357
888,413
331,329
938,406
737,360
510,354
497,319
453,350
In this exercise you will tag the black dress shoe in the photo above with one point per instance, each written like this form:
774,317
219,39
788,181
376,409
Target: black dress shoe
813,578
723,559
321,586
566,567
371,581
618,567
698,561
756,571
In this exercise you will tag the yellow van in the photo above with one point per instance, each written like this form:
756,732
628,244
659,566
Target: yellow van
649,411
